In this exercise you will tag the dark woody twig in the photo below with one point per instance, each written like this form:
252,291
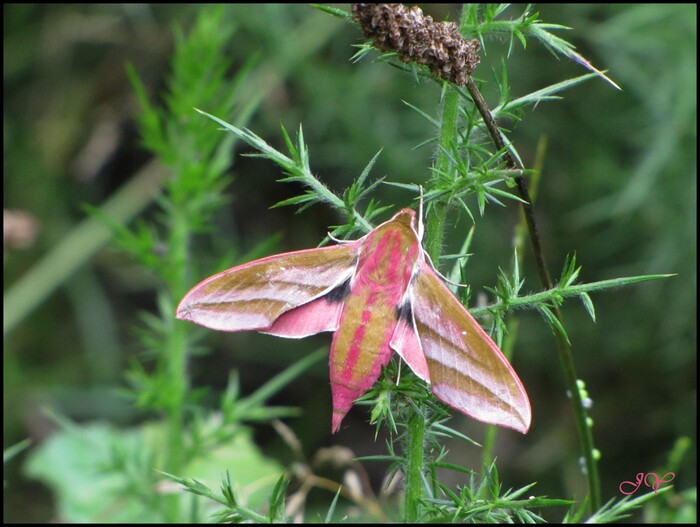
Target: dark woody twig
566,358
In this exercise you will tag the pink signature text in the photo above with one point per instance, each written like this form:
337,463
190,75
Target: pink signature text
650,479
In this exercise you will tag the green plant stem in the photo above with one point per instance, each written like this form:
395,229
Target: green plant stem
519,240
435,226
564,349
414,466
415,455
176,361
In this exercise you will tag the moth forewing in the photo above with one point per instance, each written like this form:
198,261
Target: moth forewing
253,295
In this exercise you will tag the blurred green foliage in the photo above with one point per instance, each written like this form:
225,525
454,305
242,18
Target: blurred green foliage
618,186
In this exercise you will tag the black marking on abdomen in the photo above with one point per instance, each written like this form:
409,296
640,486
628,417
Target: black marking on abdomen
405,313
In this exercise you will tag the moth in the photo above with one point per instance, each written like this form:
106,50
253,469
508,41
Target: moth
377,294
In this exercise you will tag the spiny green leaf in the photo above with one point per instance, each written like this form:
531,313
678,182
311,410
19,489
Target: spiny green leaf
588,304
277,501
552,321
334,11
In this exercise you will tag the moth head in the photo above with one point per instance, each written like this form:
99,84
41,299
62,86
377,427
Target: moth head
408,218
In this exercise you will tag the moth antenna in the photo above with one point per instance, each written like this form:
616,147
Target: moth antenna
430,262
457,284
420,214
336,240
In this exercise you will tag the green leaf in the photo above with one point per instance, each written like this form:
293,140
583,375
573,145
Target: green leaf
92,467
12,451
552,321
334,11
588,304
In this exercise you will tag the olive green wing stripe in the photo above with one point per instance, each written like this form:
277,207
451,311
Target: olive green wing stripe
253,295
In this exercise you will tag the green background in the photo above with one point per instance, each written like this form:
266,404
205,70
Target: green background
618,188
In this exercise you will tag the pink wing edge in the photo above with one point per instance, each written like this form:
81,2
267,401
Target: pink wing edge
405,342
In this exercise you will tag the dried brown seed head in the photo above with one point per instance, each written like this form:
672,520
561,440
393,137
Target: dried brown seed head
415,37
